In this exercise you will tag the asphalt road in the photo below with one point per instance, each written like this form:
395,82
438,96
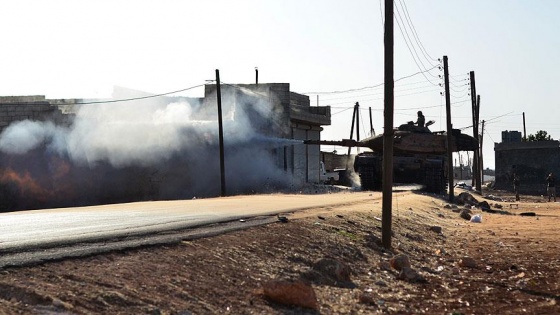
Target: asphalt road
28,237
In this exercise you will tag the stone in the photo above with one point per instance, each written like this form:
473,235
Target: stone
373,241
436,229
333,269
465,198
410,275
367,298
400,261
467,262
288,292
465,215
484,205
384,265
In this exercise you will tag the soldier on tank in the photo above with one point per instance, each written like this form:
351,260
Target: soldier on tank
421,121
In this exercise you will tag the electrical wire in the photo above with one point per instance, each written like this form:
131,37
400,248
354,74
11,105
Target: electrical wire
135,98
489,136
487,120
411,27
416,33
341,110
367,87
377,99
373,94
410,50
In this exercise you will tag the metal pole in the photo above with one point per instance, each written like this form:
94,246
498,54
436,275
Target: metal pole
449,130
221,136
387,198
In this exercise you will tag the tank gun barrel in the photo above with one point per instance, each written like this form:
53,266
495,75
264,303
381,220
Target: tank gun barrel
342,143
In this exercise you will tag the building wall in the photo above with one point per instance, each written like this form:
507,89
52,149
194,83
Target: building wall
532,161
17,108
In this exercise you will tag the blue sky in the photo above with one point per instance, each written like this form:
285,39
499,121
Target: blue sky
65,49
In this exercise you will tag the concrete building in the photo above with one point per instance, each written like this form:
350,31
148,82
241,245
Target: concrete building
531,160
36,107
276,112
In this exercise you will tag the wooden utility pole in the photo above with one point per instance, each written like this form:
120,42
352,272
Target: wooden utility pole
221,136
357,121
352,130
479,156
357,125
449,130
388,132
475,168
524,129
371,130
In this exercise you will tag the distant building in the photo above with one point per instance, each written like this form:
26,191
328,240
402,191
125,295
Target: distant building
511,136
531,160
462,172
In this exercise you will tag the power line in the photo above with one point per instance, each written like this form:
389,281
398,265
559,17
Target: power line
374,94
413,31
345,109
377,99
408,46
488,134
487,120
416,33
380,109
134,98
459,90
464,95
368,87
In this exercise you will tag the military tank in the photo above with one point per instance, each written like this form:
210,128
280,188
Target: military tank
419,156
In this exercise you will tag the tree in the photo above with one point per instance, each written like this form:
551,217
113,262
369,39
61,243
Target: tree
541,135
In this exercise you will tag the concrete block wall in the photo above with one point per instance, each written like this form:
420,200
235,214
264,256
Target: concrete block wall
14,109
532,161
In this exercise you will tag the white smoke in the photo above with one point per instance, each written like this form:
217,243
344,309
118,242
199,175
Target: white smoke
22,136
132,134
176,140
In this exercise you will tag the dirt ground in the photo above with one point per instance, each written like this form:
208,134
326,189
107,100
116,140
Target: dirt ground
514,266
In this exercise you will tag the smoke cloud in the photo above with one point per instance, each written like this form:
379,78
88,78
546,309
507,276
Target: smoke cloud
143,150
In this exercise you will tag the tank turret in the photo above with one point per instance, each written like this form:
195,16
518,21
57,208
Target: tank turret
419,156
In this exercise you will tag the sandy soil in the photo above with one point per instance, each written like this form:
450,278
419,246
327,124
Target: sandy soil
514,266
